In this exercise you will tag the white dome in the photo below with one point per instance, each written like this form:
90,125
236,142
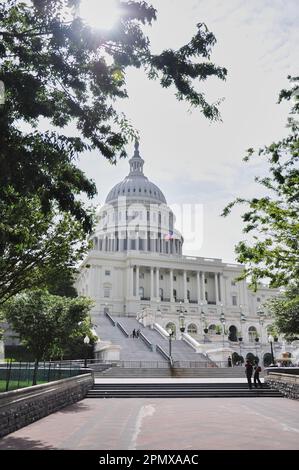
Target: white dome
136,186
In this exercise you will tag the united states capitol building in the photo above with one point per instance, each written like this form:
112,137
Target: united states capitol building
136,268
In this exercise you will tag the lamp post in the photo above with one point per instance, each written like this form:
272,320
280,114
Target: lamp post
271,339
203,320
222,320
86,342
182,325
261,316
261,322
170,335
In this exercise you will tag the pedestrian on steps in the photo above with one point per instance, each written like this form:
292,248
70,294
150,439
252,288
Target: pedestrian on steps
256,376
248,371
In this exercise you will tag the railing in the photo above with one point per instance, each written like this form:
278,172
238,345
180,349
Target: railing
146,341
14,375
138,364
163,352
201,364
110,318
122,328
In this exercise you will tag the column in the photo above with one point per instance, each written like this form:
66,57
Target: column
157,282
137,281
171,285
131,281
185,286
199,301
222,289
203,287
216,288
152,283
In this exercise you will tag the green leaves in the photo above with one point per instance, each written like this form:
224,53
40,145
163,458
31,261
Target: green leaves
47,324
273,219
57,69
36,247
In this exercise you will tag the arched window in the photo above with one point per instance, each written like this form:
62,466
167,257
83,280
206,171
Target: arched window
192,329
252,333
171,326
212,329
232,335
267,359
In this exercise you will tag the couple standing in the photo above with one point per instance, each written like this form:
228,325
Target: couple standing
256,375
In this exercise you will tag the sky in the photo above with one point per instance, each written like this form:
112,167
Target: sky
192,160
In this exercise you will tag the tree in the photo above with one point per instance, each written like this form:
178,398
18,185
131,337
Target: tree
56,69
273,219
54,66
286,312
47,324
37,249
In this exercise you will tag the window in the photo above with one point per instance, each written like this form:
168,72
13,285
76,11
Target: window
141,275
233,283
107,292
188,294
161,293
161,277
206,281
174,278
174,294
107,273
141,292
188,279
192,328
234,300
206,296
258,299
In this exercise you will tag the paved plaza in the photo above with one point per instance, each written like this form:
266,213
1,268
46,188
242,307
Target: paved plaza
147,424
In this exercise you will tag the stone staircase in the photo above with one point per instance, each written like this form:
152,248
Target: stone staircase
179,390
135,349
132,349
162,370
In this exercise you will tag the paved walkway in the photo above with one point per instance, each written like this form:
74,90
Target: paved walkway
146,424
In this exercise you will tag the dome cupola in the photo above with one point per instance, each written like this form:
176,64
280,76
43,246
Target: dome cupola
136,186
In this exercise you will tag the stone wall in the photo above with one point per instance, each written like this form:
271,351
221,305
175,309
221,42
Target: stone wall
21,407
287,384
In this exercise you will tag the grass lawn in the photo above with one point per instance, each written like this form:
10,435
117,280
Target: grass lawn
13,384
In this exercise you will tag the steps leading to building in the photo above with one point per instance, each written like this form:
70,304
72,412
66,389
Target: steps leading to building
174,390
143,372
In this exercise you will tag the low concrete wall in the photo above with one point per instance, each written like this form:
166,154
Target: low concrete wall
287,384
21,407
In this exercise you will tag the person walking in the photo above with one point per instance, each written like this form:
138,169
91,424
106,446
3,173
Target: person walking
248,371
229,361
256,376
134,333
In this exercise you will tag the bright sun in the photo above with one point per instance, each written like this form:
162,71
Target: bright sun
101,14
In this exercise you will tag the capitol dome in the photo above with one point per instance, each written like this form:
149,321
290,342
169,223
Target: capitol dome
136,186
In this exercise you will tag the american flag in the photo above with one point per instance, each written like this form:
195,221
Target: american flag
169,236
